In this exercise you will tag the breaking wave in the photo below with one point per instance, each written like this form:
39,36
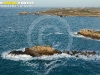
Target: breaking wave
58,33
74,34
24,57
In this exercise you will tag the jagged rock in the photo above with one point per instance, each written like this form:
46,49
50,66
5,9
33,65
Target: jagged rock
67,52
76,53
47,50
37,51
90,33
16,52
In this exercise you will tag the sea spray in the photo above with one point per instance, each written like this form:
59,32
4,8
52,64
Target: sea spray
6,55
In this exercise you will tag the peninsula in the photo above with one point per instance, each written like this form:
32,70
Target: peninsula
93,12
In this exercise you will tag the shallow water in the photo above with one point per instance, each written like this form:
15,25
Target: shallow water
20,31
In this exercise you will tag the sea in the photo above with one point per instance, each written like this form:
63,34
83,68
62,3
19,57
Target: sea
18,32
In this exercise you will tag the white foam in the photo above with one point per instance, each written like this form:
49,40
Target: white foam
21,49
6,55
74,34
53,57
58,33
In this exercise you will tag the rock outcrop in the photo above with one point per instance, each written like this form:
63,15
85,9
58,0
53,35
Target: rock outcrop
90,33
23,13
37,51
77,53
16,52
41,50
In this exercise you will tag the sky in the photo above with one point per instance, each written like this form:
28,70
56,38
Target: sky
63,3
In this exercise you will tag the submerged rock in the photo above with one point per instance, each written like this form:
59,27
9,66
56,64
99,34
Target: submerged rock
90,33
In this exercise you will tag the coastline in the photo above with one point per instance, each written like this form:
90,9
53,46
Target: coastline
62,12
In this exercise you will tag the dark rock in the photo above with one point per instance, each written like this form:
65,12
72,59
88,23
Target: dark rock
91,53
37,51
74,52
67,52
16,52
76,56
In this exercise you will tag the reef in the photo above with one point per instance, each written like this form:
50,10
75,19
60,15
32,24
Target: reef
37,51
90,33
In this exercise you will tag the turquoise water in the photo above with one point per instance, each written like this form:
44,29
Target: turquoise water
20,31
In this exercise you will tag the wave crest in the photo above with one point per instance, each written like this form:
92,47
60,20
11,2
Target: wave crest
24,57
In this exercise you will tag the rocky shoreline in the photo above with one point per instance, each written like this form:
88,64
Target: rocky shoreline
37,51
47,50
93,12
90,33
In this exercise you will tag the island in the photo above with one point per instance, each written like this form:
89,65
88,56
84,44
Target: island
38,51
93,12
90,33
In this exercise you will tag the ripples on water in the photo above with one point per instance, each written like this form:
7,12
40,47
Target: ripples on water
13,36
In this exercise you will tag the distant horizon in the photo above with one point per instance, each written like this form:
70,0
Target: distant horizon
60,3
49,7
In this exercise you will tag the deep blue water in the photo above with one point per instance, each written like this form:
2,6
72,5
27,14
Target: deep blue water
20,31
